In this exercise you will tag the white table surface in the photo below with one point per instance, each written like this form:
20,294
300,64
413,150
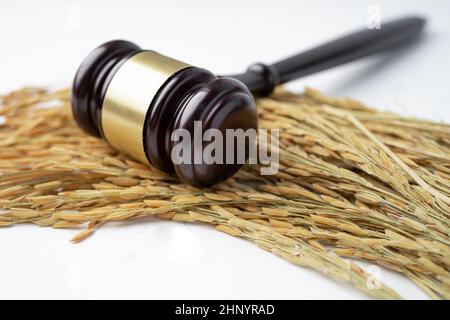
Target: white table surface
43,42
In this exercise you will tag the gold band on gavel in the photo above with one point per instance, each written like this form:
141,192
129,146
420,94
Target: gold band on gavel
129,96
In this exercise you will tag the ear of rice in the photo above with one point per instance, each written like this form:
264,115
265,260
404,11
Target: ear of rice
353,182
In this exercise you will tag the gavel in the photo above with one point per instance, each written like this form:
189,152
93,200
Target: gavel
135,99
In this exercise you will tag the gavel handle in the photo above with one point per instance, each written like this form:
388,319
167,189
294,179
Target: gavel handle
261,79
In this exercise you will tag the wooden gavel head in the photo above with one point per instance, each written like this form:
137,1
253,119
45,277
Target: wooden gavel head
136,99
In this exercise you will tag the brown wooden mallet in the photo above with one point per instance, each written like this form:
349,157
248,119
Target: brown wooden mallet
136,98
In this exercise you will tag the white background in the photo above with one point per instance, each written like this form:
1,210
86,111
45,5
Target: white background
43,42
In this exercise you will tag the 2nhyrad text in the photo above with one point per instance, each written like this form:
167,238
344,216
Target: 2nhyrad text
226,309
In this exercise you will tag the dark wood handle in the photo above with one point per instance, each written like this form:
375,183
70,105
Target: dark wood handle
261,79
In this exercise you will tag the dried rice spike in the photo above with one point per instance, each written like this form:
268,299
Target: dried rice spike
65,224
352,180
124,181
157,203
229,230
183,217
48,185
5,224
405,167
217,197
82,235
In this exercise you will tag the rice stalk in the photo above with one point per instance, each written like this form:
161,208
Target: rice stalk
353,183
